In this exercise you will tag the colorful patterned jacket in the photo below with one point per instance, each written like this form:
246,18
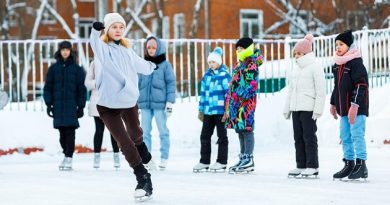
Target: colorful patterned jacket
240,104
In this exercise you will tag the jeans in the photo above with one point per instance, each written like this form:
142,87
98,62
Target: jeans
161,121
352,137
247,142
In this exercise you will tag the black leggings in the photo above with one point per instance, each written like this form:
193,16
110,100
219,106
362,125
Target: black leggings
98,138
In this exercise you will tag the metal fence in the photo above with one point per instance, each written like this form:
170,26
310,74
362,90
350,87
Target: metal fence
24,63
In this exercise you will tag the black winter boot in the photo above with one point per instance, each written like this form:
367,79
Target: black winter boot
347,169
144,153
359,171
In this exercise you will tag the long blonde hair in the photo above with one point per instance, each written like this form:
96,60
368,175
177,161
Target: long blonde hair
124,42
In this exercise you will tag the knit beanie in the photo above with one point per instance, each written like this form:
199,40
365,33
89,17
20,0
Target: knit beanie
112,18
64,44
216,56
346,37
305,46
244,42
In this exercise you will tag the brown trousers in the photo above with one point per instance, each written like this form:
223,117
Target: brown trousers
125,127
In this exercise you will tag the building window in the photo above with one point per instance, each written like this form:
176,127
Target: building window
303,20
47,17
251,23
165,27
85,27
179,29
356,20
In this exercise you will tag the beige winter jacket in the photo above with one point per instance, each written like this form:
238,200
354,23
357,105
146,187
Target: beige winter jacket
306,87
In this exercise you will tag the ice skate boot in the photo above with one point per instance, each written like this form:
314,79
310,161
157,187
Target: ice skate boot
346,171
310,173
218,167
295,172
200,167
96,161
144,189
117,163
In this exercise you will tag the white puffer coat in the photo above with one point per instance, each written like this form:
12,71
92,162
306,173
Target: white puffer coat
306,87
90,83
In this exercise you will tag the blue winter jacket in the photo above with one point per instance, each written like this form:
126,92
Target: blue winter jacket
213,89
160,87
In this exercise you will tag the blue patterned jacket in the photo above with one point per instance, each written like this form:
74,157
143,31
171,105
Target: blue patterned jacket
213,89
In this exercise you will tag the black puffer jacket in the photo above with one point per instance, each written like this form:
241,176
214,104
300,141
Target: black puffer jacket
350,86
65,91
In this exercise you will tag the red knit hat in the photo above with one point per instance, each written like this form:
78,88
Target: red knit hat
305,46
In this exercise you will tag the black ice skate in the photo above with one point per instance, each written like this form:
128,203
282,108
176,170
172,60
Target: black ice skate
144,189
247,165
346,171
359,171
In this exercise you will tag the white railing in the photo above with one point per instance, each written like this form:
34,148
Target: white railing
24,81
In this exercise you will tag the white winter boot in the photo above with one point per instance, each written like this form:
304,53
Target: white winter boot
96,161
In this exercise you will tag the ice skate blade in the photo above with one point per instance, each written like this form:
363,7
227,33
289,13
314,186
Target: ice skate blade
66,169
309,177
142,199
357,181
242,172
294,176
218,170
200,170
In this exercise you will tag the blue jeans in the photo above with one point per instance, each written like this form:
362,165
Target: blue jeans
352,137
247,142
161,121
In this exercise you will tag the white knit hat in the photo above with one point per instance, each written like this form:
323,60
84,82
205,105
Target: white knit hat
112,18
216,56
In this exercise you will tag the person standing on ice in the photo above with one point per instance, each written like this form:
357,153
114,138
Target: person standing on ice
65,96
349,100
157,95
213,89
305,102
90,83
240,103
117,83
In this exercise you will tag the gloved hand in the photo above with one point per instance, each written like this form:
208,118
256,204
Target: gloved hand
98,26
200,116
168,109
333,111
49,110
287,115
352,113
316,116
80,112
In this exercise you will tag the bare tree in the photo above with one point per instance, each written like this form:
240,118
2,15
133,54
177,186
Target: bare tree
195,19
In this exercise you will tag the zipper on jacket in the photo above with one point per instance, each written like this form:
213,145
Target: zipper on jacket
340,74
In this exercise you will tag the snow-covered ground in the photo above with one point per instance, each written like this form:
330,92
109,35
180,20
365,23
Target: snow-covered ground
35,178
